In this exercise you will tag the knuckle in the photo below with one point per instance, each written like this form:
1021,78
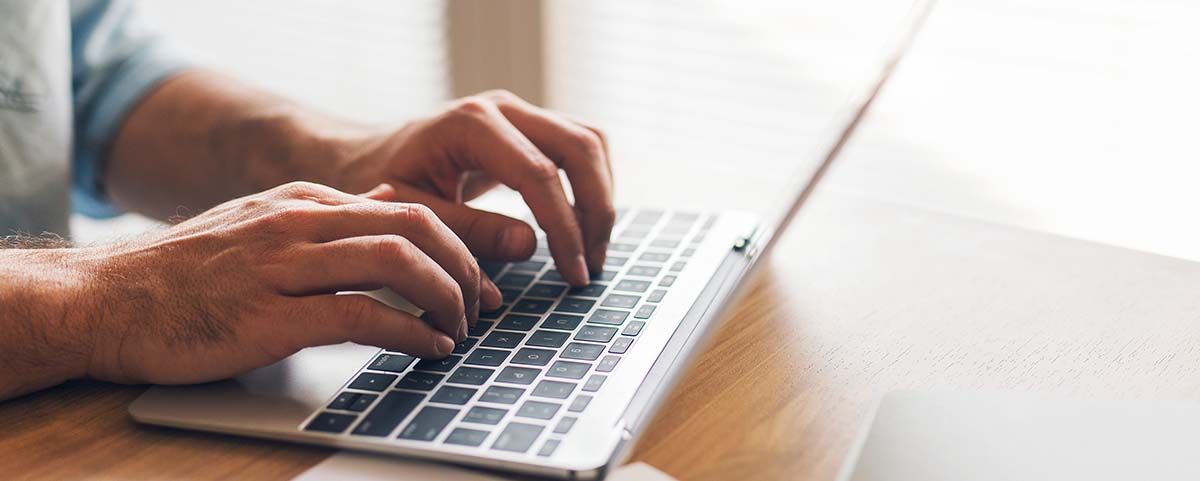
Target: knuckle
475,107
297,190
393,247
419,215
543,170
354,315
589,144
502,95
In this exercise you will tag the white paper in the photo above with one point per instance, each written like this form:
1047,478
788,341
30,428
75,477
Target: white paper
352,466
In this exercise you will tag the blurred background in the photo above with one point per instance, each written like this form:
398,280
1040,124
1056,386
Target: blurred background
1070,116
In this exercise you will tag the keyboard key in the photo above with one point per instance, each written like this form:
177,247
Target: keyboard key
664,243
538,410
510,295
527,266
493,314
541,251
370,381
430,422
390,361
688,217
501,394
667,281
634,328
568,370
388,412
466,437
330,422
553,276
471,375
594,382
591,290
453,395
596,333
363,402
466,345
487,357
439,365
533,357
575,304
621,346
700,237
656,295
507,340
678,266
621,301
579,404
620,247
632,285
690,251
659,257
644,312
608,364
562,322
544,338
582,350
481,327
551,291
517,375
635,232
482,415
343,401
675,229
564,425
643,271
420,381
518,322
491,268
615,261
532,306
610,317
514,280
648,216
517,437
554,389
548,447
603,276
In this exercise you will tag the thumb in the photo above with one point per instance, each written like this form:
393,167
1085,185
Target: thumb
487,234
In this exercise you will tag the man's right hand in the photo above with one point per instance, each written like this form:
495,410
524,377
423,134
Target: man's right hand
253,280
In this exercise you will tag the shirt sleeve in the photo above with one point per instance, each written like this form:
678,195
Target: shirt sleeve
115,60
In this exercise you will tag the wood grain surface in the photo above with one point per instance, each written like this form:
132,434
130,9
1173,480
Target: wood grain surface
861,298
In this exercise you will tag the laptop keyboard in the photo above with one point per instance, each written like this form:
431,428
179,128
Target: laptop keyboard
529,369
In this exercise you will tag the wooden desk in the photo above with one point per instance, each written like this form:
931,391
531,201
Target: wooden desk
862,298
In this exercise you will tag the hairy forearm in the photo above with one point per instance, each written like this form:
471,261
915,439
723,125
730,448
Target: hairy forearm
202,138
44,316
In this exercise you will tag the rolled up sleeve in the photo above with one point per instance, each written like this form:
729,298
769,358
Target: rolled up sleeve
116,60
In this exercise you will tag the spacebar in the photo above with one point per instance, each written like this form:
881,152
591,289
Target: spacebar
393,408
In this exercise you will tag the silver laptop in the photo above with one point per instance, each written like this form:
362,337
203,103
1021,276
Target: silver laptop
556,383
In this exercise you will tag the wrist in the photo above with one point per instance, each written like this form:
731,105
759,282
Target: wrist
48,312
293,144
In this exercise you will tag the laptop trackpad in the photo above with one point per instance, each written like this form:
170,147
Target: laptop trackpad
935,436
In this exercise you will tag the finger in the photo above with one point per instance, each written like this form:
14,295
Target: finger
487,234
581,152
421,226
475,184
370,262
499,149
381,192
332,319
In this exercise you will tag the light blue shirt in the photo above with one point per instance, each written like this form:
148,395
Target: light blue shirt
70,73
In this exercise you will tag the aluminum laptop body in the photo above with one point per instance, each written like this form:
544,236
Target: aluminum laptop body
557,384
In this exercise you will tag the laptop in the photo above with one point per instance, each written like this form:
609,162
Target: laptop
558,382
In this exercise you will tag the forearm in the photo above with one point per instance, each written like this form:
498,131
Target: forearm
202,138
44,317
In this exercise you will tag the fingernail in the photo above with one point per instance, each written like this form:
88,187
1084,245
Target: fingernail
514,240
582,268
445,345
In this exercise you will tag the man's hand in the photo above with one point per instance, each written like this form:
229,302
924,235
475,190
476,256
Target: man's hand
202,138
493,138
253,280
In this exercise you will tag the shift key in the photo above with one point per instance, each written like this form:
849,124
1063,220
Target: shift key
388,412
